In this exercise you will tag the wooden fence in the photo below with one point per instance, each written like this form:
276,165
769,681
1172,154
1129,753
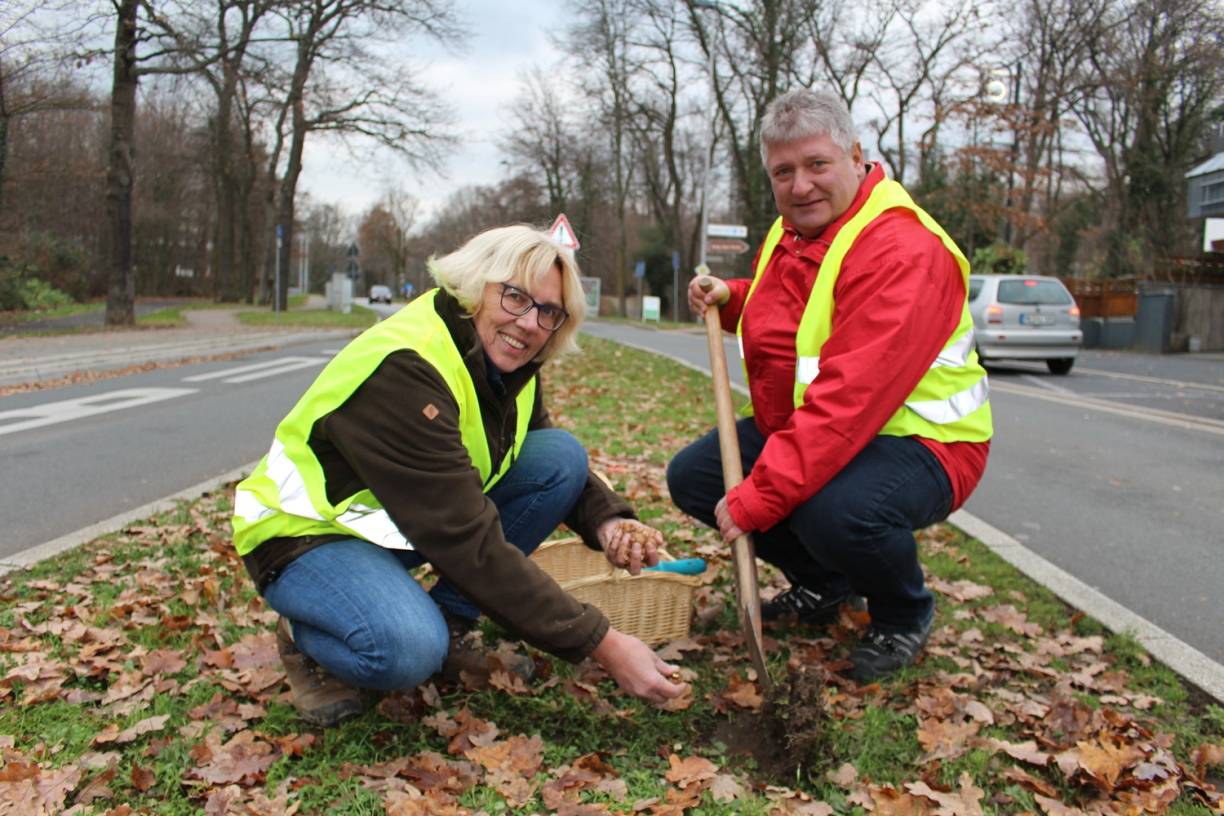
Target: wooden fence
1105,297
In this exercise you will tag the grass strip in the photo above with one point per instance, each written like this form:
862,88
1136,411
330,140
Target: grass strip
359,317
139,672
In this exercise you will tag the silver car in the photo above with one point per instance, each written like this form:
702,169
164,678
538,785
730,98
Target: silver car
1025,317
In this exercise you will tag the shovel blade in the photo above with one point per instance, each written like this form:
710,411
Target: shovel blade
748,598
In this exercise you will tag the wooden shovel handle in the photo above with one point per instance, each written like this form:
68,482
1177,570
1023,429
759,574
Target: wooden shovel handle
747,591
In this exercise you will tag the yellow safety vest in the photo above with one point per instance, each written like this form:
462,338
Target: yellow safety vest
286,495
951,402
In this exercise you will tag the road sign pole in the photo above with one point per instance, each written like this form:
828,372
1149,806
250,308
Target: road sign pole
280,232
709,161
675,286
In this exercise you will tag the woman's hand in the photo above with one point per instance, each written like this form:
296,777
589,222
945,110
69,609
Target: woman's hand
637,669
699,298
629,544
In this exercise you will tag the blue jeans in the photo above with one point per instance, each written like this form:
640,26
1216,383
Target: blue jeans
856,533
355,607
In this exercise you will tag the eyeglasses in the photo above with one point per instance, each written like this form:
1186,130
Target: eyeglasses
518,303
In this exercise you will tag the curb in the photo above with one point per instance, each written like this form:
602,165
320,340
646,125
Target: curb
1181,657
40,552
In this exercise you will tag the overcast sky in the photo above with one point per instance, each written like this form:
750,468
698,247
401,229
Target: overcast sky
479,85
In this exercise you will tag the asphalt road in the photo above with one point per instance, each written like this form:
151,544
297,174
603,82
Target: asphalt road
1112,473
83,453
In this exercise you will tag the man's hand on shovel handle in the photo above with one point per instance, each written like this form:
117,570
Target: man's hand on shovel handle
726,524
706,290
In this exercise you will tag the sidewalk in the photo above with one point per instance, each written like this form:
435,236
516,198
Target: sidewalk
208,332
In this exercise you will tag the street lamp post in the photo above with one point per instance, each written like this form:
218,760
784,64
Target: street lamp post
709,156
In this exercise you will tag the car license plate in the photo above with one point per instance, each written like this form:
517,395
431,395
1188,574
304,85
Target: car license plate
1036,319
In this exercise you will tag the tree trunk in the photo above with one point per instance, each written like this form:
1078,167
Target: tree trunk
288,191
121,288
4,127
4,120
227,197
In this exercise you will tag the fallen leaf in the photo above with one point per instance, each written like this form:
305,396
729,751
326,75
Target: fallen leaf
725,788
690,770
132,733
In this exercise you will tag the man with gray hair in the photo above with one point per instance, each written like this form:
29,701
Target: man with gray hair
870,409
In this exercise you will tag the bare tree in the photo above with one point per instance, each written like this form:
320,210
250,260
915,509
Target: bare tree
603,37
129,67
1156,72
32,55
544,137
1053,38
916,64
845,36
215,41
121,289
669,153
340,86
329,230
383,237
758,50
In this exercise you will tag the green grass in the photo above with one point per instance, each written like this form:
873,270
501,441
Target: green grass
29,316
359,317
170,318
97,621
661,325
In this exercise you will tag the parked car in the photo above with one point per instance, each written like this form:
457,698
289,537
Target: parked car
1025,317
380,294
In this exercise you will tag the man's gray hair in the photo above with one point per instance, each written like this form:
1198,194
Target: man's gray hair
802,113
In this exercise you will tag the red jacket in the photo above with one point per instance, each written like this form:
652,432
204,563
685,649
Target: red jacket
897,300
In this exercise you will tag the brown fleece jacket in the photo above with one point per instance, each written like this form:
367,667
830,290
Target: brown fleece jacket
398,436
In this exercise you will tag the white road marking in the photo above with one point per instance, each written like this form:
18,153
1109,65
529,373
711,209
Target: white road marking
51,413
1116,375
1042,382
1174,419
255,371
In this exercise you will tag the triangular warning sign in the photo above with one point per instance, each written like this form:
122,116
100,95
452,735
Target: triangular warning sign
563,233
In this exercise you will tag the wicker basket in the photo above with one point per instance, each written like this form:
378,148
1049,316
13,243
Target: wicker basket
653,606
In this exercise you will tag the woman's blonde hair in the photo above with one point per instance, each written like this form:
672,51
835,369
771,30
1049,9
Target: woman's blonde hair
515,254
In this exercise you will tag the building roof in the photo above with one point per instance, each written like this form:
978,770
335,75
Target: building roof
1212,165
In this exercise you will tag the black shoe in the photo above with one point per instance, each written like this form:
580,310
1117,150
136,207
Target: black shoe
879,654
805,606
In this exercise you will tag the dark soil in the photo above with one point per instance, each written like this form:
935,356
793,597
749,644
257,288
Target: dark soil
789,735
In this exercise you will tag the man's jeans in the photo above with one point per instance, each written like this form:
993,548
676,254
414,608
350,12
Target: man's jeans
855,534
357,610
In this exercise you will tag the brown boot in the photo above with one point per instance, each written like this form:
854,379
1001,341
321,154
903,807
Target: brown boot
468,654
319,698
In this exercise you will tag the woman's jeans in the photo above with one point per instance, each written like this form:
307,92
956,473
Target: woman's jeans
854,535
355,607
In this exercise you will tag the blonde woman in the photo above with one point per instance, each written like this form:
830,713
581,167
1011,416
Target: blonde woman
426,440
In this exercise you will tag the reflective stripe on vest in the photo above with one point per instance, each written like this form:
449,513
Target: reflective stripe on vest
286,495
951,402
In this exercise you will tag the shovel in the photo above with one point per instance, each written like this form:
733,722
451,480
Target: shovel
747,593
